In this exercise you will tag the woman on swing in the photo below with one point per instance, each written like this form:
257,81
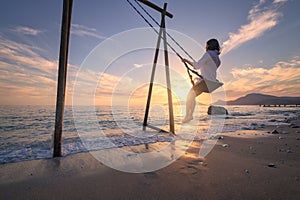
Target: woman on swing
208,65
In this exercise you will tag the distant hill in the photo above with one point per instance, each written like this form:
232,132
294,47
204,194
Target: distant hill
262,99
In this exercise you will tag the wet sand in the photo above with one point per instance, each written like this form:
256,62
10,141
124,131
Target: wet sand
243,165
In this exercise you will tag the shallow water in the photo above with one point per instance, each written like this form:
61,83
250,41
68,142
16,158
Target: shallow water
26,132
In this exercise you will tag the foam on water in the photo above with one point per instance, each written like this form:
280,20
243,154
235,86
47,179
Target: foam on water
26,132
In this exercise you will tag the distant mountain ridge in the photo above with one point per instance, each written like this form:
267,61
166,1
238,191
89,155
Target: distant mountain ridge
262,99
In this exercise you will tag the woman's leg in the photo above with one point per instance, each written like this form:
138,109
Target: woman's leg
190,106
192,103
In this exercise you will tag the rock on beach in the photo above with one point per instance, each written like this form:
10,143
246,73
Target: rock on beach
217,110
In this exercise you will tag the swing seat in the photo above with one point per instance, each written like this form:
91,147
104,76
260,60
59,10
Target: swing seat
207,86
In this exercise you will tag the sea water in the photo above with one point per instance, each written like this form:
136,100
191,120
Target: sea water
26,132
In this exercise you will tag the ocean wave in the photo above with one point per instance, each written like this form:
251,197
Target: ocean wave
26,133
237,114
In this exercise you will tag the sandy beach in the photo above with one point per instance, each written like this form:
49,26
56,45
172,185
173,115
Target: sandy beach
247,164
150,100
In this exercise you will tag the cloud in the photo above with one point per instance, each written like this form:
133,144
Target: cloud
283,79
262,17
279,1
83,31
28,78
25,55
27,31
25,76
137,65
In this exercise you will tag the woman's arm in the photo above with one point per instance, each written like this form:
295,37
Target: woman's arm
200,63
187,61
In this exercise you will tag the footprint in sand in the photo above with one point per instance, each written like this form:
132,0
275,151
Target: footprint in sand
151,175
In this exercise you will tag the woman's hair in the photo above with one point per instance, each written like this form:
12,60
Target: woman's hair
213,44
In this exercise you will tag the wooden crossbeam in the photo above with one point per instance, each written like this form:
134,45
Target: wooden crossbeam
155,7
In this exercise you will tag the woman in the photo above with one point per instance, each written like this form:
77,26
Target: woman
208,66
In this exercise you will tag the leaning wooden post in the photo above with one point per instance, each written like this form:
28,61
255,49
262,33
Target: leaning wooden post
62,76
169,90
145,123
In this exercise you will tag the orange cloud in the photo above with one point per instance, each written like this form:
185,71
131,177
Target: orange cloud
283,79
26,77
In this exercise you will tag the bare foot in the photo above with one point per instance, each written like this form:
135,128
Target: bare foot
187,119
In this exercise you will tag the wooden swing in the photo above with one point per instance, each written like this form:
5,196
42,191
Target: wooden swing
204,85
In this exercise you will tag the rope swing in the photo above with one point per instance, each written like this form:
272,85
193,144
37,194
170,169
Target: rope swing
205,85
202,86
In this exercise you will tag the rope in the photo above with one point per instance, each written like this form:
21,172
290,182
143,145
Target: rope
142,16
156,22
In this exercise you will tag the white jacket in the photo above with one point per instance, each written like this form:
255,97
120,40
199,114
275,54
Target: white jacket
208,65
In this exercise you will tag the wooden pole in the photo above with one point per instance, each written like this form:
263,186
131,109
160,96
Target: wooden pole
171,115
62,76
145,123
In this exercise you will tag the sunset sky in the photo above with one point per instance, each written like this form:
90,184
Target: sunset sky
260,47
